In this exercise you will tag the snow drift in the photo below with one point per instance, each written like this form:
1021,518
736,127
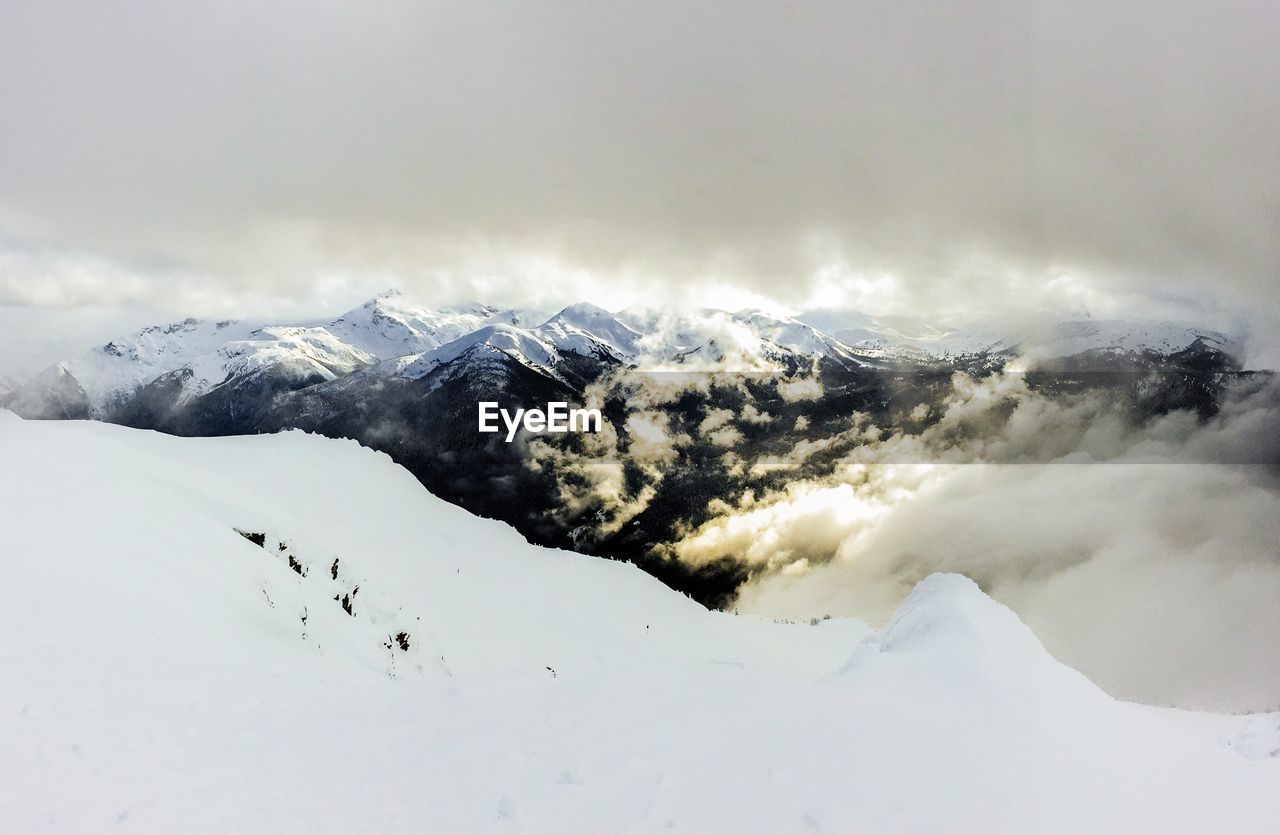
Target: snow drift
286,633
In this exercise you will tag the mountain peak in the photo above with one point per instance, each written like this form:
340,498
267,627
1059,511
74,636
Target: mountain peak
579,310
584,328
389,325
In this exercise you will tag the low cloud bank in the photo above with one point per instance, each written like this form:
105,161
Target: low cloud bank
1145,554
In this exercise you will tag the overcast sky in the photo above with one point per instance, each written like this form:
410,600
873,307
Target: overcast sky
949,159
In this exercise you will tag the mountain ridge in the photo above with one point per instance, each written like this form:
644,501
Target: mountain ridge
402,336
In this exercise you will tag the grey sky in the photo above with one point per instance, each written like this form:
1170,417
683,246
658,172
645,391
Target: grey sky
945,158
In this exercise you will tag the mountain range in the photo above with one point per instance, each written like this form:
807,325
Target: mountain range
395,337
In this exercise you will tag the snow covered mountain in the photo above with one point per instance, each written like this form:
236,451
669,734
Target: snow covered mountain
399,337
286,633
1035,340
305,354
98,380
492,343
716,340
853,326
583,330
801,339
589,330
389,325
646,340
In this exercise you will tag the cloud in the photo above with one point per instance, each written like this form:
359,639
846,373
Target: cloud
801,388
1159,581
1143,554
33,338
715,419
935,158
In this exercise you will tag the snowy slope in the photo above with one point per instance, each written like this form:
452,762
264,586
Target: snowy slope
794,335
491,341
307,351
586,329
705,340
521,317
581,329
163,673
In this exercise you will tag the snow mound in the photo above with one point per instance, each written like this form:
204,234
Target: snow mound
948,633
1258,737
948,613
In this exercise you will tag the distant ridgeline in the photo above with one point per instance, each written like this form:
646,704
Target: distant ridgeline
696,407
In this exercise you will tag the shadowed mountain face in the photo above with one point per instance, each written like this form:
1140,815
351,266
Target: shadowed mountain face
702,411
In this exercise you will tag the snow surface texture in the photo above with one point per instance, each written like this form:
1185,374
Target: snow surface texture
287,634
